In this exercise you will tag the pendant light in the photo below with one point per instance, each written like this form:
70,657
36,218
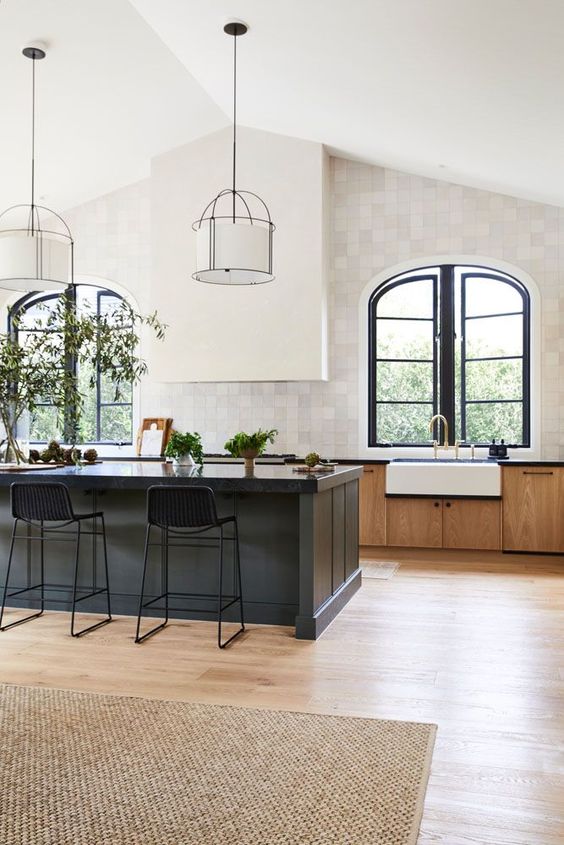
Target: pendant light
234,233
36,246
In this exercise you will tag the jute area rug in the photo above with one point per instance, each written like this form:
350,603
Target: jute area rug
378,568
86,769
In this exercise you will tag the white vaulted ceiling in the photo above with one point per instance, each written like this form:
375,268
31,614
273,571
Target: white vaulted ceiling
473,85
464,90
110,95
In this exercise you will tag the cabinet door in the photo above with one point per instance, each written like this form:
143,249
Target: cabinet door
533,516
372,495
471,524
414,522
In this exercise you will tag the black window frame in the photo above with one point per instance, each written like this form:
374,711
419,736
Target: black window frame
34,298
444,358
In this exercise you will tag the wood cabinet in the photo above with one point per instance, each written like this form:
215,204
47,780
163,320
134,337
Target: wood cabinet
533,509
471,524
443,523
414,522
372,505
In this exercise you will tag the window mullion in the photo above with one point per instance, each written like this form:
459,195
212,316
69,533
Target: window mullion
98,375
447,335
70,435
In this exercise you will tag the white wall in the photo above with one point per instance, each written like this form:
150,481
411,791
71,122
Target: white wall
265,332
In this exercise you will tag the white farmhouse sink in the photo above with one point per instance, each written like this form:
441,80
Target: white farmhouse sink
439,478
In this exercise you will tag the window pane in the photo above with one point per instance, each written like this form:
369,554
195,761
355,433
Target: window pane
404,339
50,345
115,423
403,423
490,296
108,391
408,299
494,379
36,312
494,336
400,382
88,420
45,425
485,422
115,310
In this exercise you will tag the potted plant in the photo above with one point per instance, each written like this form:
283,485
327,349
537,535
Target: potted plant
185,449
250,446
32,372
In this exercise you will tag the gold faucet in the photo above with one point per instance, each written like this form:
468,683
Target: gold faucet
445,423
443,419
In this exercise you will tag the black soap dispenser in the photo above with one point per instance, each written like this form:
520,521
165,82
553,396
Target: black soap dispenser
493,450
502,450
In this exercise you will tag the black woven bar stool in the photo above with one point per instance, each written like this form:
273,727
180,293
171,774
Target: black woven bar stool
184,516
35,505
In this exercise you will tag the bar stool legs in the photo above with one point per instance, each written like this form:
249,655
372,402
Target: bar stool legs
94,592
76,598
238,598
164,583
221,605
41,585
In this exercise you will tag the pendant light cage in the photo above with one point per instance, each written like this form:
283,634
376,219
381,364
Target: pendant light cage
36,249
36,245
234,245
234,232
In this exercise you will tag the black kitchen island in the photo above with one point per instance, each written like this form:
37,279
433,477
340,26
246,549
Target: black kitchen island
298,532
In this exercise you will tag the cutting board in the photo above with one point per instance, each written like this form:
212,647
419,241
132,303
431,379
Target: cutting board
163,424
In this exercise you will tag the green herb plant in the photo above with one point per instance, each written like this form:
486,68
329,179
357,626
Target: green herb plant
242,442
185,444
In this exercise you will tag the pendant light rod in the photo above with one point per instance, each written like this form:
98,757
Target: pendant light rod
33,52
234,117
235,28
33,144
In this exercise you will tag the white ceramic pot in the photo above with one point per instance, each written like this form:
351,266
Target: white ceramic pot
184,461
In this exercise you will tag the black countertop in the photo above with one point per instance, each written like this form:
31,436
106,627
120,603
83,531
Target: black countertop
517,463
139,475
511,462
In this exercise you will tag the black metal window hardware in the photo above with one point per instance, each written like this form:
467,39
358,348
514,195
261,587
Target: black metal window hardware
453,340
106,420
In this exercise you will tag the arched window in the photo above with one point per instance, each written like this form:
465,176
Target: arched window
104,419
452,340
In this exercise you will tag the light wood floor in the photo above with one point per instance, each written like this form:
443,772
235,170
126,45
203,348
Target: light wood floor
471,641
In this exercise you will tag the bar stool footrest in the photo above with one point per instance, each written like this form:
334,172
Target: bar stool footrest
24,590
89,595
